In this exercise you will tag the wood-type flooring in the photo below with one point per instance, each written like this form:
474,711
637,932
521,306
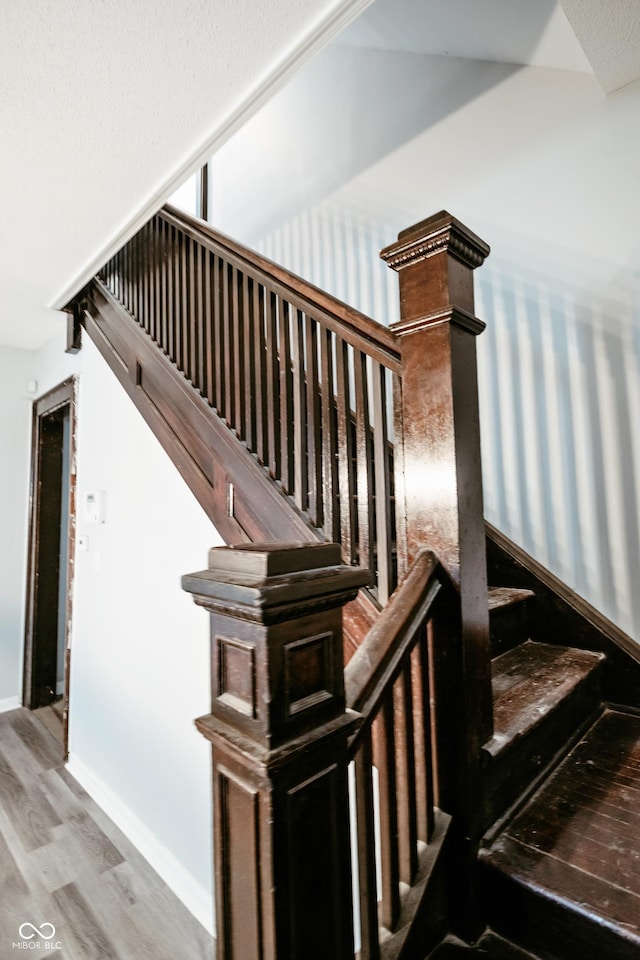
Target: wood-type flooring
576,845
64,865
51,716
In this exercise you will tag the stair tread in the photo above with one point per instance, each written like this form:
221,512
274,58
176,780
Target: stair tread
529,681
500,597
489,947
577,841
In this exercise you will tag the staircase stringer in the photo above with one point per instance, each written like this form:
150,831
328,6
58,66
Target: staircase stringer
231,486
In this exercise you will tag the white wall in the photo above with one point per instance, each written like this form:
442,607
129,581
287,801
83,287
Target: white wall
15,421
140,650
544,167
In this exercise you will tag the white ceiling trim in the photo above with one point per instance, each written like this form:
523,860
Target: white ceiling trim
318,36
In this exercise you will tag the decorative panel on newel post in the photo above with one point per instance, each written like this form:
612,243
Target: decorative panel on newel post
279,731
438,466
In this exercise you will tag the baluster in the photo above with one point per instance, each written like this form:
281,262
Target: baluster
273,386
176,328
260,377
238,352
155,281
185,290
218,339
314,439
200,256
299,423
192,306
367,886
135,278
172,267
165,297
130,276
227,344
286,396
143,279
127,276
330,505
346,467
364,466
146,267
405,772
382,484
208,347
384,759
149,275
420,673
177,298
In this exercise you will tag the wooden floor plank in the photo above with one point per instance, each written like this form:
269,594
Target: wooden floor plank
577,841
62,861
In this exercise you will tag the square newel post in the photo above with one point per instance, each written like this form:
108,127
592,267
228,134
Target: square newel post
438,457
279,730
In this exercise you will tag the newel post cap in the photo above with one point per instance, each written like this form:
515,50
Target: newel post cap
440,233
435,260
276,640
271,582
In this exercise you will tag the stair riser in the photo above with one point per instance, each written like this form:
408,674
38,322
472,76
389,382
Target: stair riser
509,775
509,627
548,927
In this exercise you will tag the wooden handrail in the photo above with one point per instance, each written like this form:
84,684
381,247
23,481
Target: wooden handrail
359,330
307,383
372,436
378,660
387,683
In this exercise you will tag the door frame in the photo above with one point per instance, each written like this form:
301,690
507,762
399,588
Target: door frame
65,394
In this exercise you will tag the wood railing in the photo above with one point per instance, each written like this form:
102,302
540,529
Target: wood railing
328,427
303,380
282,741
388,683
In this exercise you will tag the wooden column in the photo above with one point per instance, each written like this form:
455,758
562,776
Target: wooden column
438,479
74,326
279,729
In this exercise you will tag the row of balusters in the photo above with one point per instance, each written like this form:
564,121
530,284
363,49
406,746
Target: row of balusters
315,409
394,803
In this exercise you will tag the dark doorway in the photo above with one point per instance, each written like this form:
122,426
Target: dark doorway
51,543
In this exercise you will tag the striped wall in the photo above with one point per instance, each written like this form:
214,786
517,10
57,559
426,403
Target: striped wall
559,394
560,400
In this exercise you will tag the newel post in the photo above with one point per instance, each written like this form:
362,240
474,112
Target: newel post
438,456
279,729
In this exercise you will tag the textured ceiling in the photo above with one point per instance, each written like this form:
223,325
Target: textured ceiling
610,36
106,105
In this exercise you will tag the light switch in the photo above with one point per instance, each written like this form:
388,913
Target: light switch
94,506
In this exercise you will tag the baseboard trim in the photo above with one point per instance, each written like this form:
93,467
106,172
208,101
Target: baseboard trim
193,895
10,703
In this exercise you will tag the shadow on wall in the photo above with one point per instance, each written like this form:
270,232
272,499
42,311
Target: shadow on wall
559,369
559,384
347,109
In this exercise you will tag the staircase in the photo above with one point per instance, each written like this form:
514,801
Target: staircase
294,418
559,867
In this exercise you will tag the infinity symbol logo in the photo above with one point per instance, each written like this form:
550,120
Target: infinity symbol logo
37,932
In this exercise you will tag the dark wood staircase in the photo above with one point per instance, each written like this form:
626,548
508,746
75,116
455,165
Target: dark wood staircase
559,864
563,876
293,417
